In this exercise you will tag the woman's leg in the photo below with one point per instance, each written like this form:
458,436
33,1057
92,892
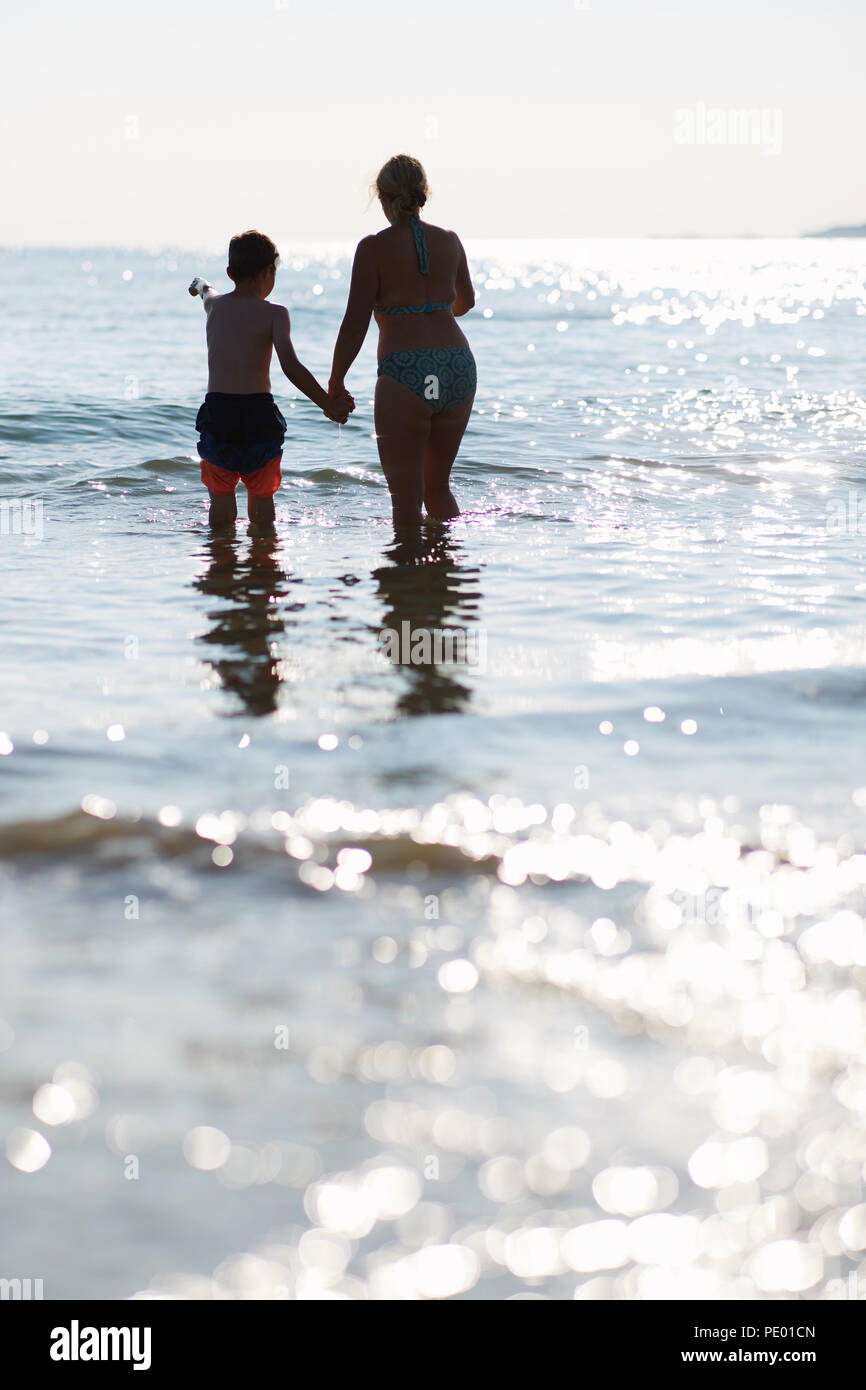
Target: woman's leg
446,432
402,430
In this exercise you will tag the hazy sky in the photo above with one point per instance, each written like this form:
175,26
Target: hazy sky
181,122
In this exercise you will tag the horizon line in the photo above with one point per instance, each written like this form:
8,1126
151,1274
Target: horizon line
308,243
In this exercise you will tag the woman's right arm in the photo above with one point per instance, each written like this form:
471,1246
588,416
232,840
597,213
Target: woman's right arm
359,309
465,297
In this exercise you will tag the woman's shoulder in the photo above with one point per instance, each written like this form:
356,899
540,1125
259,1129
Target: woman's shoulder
441,241
366,253
440,231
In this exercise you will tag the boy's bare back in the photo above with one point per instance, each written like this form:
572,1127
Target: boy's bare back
240,341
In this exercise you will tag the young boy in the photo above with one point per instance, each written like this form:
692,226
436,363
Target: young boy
240,426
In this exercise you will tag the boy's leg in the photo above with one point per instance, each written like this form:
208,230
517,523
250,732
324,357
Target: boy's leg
223,509
261,487
221,485
260,510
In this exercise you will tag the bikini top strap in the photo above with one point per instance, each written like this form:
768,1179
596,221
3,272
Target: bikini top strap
420,244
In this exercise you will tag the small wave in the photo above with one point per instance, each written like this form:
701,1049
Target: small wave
738,468
39,421
111,839
180,463
465,467
352,473
459,836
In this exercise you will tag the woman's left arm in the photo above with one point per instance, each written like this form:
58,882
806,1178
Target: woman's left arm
464,299
359,309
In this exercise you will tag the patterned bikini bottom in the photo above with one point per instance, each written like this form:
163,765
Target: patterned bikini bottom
443,377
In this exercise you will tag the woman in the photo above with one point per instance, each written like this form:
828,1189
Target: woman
414,278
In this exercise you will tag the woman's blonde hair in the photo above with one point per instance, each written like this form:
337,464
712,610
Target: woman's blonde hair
403,183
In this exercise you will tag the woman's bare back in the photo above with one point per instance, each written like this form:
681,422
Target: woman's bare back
400,282
400,278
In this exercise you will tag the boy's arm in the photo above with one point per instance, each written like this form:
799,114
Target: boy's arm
356,320
295,370
205,289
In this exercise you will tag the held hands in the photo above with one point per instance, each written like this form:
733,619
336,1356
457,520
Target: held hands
340,404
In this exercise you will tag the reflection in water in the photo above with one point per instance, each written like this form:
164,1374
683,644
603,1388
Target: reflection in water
430,598
250,587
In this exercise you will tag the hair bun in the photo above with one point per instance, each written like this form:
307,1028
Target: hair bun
403,183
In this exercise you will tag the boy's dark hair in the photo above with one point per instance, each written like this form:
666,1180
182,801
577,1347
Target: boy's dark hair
250,253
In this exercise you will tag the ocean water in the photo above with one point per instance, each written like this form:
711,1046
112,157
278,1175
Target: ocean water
535,974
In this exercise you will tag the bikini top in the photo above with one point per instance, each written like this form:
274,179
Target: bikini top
424,267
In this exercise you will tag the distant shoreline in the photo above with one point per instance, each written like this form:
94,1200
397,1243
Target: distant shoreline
841,231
